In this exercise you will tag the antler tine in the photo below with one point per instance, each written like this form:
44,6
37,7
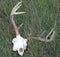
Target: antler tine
13,12
20,26
42,33
49,33
18,5
19,13
29,36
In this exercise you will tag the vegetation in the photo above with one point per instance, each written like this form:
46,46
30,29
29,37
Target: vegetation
40,16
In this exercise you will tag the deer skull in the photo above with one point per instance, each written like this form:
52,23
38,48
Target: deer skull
19,44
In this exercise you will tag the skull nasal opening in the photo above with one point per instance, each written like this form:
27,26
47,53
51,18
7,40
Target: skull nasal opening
21,49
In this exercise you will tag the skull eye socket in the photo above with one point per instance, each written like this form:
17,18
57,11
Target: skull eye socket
21,49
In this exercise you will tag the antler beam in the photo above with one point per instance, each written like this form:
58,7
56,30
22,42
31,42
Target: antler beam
48,38
45,39
13,12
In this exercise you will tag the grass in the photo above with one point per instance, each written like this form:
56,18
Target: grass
40,16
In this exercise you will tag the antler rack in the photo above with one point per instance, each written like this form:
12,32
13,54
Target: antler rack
13,12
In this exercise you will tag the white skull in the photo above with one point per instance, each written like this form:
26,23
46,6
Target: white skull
19,44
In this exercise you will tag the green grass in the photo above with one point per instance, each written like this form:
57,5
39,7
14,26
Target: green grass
40,16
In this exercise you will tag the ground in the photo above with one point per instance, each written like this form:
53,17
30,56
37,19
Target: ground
40,16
